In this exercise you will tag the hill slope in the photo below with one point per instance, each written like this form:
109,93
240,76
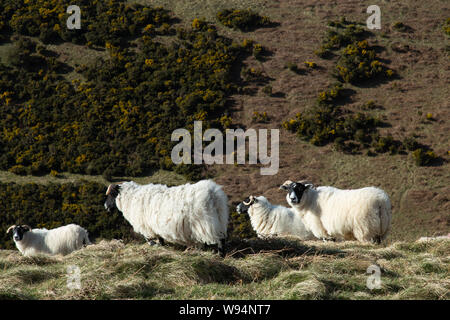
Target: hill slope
275,269
420,57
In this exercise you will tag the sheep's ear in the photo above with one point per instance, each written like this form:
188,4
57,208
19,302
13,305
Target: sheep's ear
309,186
285,185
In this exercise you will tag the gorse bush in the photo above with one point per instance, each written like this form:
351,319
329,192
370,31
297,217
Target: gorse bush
102,21
244,20
358,63
240,226
339,35
117,119
446,27
54,205
326,122
357,60
423,157
260,117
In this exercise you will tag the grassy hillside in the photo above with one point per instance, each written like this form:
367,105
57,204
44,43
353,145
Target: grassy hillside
276,269
105,101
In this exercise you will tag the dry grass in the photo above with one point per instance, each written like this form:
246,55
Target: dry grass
251,270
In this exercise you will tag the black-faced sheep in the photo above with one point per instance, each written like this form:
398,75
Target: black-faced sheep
62,240
362,214
273,221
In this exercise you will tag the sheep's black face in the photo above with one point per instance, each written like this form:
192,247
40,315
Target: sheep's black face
295,191
244,205
110,203
18,232
112,193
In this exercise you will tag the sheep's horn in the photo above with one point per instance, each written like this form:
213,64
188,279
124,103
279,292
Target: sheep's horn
110,187
27,226
252,199
10,228
286,184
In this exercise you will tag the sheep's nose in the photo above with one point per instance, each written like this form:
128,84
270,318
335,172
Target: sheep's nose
16,238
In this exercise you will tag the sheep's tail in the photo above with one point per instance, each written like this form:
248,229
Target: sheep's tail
384,214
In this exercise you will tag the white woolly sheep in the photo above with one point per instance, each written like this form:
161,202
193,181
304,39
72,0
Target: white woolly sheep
187,214
362,214
270,220
62,240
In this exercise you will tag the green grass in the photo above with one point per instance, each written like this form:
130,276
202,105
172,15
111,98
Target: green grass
254,269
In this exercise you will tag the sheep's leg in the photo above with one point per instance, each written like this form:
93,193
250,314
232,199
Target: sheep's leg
150,241
221,248
315,225
161,241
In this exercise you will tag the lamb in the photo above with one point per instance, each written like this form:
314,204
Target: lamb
362,214
62,240
272,220
188,214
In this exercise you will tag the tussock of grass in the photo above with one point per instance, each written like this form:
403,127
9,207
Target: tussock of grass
254,269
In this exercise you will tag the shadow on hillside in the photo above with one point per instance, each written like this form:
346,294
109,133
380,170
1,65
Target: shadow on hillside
286,248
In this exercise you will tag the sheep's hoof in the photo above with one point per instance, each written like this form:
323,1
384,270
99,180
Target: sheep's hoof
152,243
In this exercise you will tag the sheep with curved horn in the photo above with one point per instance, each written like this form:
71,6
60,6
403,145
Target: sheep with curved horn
362,214
270,220
187,214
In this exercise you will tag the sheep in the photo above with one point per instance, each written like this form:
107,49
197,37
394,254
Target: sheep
272,220
62,240
188,214
362,214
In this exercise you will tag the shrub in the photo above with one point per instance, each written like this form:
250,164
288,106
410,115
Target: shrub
343,33
118,120
258,51
310,64
292,66
244,20
267,90
358,63
114,21
424,157
240,226
400,26
326,122
410,144
446,27
260,117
